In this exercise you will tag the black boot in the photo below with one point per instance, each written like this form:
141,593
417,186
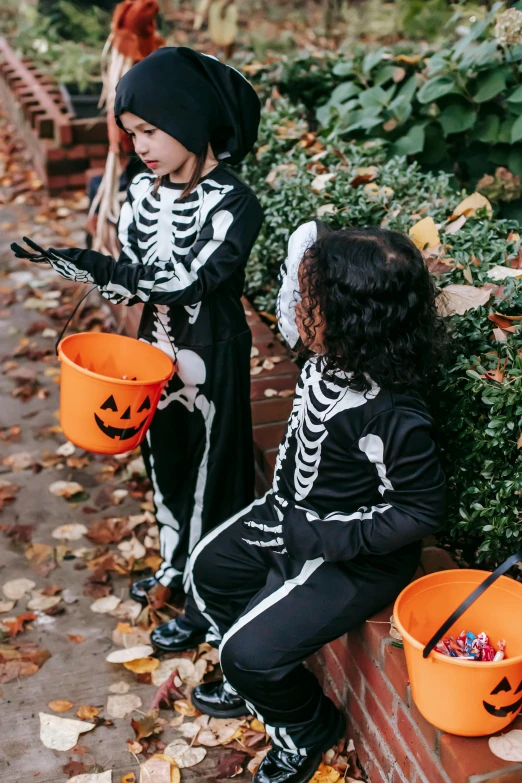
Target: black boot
212,699
138,590
283,766
173,637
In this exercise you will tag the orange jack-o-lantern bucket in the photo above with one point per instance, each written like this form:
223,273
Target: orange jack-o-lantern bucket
110,388
459,696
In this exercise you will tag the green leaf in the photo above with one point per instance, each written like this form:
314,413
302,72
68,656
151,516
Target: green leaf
504,134
516,95
372,98
489,85
371,60
487,129
456,118
436,88
384,74
408,88
343,92
401,108
343,68
515,161
516,130
411,143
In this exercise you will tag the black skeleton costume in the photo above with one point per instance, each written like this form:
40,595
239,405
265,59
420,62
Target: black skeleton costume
184,258
357,485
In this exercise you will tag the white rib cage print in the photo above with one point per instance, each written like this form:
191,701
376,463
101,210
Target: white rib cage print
317,400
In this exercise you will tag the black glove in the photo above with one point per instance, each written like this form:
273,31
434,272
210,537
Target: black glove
59,261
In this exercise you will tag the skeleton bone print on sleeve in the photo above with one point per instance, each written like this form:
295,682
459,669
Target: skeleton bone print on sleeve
187,247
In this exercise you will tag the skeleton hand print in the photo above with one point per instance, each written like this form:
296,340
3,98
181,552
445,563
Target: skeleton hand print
59,262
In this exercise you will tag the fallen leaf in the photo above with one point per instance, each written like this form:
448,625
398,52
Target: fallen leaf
471,204
184,754
320,181
270,393
132,548
65,489
424,233
60,705
87,713
17,588
508,746
230,765
184,707
326,209
93,777
119,687
147,726
155,770
500,272
70,532
167,692
184,667
7,493
375,193
20,461
6,606
74,768
75,638
256,760
458,299
256,725
61,733
15,625
40,602
106,604
130,654
142,665
326,774
121,706
129,777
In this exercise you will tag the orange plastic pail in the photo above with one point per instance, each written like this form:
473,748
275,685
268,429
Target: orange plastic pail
463,697
110,389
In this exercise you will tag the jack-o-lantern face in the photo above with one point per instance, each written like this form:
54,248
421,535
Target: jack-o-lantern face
123,433
502,712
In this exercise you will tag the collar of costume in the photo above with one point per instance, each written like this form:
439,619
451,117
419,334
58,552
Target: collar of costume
195,99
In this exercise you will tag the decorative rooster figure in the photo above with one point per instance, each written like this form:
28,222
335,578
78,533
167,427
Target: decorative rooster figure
133,37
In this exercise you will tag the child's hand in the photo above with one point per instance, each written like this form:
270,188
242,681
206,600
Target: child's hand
265,536
59,261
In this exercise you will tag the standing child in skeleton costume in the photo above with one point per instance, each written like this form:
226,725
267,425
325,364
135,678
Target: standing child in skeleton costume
186,232
357,485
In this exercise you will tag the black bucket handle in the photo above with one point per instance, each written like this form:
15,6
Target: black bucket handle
472,597
77,305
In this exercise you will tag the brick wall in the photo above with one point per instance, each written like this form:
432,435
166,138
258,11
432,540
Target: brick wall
362,671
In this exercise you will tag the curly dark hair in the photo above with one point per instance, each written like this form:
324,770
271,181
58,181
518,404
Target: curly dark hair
376,303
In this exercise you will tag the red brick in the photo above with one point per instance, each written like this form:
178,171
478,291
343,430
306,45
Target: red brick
286,367
426,760
77,151
269,345
388,732
395,669
57,182
374,630
429,732
96,150
269,461
463,757
271,410
76,180
268,436
258,385
515,776
375,775
433,559
341,651
375,745
335,671
372,675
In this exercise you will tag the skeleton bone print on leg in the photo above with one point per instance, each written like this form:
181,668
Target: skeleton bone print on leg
317,400
192,372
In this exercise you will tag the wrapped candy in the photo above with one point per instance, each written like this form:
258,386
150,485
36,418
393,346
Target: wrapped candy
472,648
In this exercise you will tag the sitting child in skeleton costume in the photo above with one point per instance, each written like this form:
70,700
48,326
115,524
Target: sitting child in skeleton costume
357,485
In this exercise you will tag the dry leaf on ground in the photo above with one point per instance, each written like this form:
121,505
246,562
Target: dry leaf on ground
326,774
459,299
507,746
106,604
17,588
119,687
184,755
142,665
470,205
155,770
424,233
93,777
6,606
71,532
65,489
61,733
60,705
87,713
121,706
130,654
500,272
40,602
184,707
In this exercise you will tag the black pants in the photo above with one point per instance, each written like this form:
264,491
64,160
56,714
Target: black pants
198,451
272,612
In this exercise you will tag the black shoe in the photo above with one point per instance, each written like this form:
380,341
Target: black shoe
138,590
282,766
171,637
212,699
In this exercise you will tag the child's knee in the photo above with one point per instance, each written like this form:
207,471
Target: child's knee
243,662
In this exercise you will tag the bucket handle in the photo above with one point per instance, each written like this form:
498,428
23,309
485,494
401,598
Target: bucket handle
472,597
58,341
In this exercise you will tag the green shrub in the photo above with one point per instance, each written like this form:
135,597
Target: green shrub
481,418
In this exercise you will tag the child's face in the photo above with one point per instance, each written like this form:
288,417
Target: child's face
159,151
317,327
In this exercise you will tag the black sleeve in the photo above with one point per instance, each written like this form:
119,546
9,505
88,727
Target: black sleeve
399,446
224,243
